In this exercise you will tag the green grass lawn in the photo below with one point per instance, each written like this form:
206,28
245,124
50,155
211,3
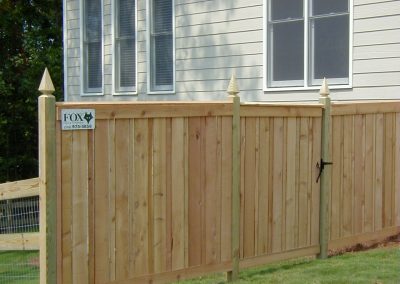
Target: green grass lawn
374,266
20,267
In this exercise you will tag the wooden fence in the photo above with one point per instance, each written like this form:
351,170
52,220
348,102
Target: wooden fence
365,196
22,240
148,196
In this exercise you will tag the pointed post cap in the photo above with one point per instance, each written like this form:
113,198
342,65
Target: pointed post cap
46,86
233,88
324,91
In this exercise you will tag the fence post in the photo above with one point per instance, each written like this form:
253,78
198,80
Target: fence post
233,92
47,181
325,182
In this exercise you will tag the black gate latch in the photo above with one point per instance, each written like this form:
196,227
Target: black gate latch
321,167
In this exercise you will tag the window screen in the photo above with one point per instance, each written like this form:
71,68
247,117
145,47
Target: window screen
307,41
92,46
162,45
125,45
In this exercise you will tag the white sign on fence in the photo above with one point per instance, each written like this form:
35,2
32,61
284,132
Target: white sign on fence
74,119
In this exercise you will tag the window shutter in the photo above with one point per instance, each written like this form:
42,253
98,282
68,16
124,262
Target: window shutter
162,45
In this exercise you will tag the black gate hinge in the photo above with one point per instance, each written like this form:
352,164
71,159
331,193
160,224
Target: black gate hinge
321,167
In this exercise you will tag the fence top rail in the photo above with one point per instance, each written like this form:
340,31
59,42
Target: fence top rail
115,110
280,110
365,107
19,189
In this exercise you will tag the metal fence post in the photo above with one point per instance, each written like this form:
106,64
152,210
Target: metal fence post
47,181
325,185
233,92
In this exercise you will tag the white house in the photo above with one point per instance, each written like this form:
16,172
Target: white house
187,49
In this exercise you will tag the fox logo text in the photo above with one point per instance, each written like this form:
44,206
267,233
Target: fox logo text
74,119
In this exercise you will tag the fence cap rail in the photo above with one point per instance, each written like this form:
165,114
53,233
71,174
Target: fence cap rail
152,109
365,107
280,110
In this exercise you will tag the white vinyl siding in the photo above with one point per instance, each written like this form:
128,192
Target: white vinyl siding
161,46
92,46
125,46
214,39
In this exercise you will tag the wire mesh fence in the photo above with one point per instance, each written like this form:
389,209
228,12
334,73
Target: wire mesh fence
19,217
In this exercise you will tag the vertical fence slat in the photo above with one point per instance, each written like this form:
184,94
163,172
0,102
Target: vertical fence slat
388,170
369,173
397,172
303,182
101,197
178,193
80,272
348,196
195,200
249,184
263,185
359,166
291,213
122,191
378,182
315,188
66,206
140,202
277,186
159,194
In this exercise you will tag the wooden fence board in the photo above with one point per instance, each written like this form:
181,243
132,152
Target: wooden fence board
348,193
178,193
277,185
315,187
359,166
388,170
397,172
66,206
303,182
212,194
263,186
80,273
140,231
378,182
122,192
369,173
291,213
19,189
21,241
249,184
111,202
337,146
159,194
101,197
195,191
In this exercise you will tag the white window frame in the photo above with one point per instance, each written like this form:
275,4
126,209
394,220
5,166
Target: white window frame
83,71
170,89
337,83
122,91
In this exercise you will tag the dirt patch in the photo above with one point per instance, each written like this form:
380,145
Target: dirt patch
393,241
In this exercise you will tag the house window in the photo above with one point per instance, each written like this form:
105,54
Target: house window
307,40
92,47
125,46
161,62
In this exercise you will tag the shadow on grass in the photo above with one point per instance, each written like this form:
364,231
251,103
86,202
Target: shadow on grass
274,268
